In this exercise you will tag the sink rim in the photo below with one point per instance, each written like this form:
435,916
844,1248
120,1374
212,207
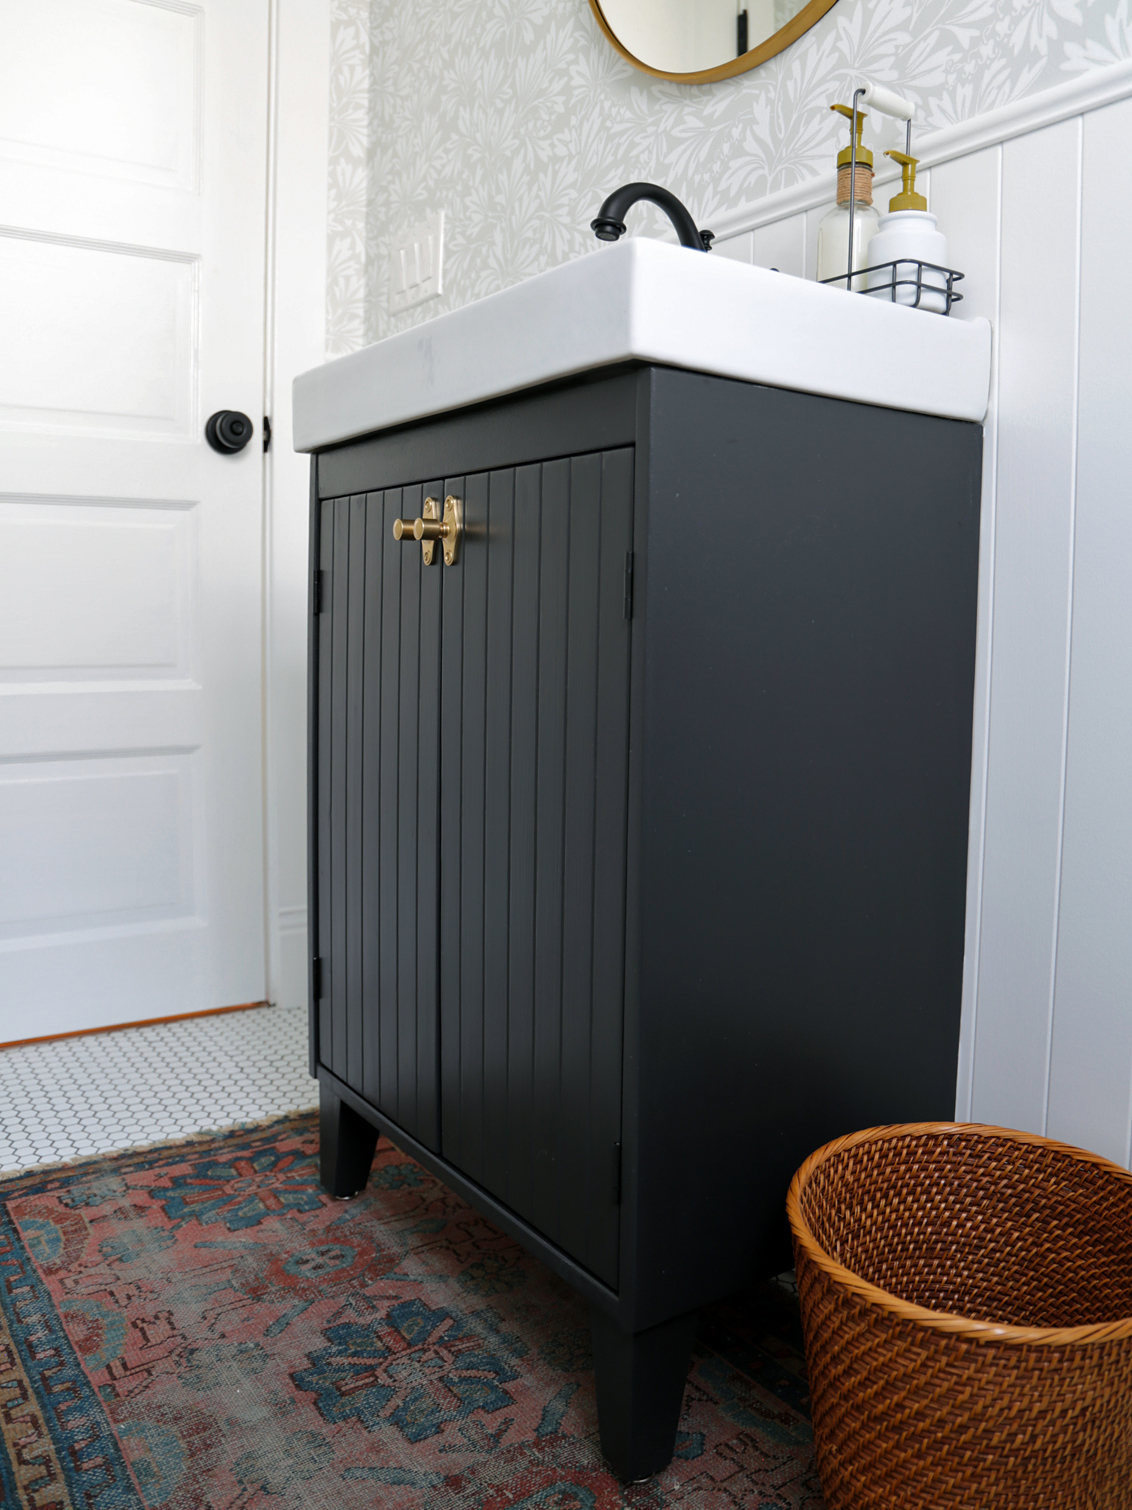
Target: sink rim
644,300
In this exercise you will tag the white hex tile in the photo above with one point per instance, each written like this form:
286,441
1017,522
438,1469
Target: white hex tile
81,1096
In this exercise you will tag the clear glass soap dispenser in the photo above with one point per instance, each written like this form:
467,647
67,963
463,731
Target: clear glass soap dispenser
833,233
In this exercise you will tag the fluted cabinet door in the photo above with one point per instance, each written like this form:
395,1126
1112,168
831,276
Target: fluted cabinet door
378,802
534,780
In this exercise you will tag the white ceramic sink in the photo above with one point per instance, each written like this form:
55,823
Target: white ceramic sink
653,302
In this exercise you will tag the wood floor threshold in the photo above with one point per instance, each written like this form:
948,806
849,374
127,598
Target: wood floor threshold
146,1022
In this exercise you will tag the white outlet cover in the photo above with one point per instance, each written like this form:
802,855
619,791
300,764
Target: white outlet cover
416,263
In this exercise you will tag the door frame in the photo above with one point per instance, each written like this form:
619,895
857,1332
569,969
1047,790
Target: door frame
297,198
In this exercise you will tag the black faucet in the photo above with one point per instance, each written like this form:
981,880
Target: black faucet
610,222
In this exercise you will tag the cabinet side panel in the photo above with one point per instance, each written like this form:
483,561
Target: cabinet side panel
377,534
355,682
324,947
334,1048
546,1070
806,781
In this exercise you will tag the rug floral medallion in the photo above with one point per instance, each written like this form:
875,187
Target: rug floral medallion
200,1327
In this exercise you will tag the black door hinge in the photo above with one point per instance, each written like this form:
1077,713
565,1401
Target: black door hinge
317,592
617,1174
629,585
266,432
316,978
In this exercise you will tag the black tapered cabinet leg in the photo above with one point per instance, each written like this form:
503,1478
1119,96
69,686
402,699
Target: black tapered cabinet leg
346,1145
640,1379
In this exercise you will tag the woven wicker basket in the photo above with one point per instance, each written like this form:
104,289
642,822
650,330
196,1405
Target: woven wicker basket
967,1304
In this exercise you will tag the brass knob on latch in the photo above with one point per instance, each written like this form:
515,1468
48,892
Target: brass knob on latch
417,529
430,528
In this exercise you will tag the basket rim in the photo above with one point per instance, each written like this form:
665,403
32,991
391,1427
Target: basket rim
948,1322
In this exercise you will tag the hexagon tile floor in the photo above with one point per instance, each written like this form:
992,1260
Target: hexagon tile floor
81,1096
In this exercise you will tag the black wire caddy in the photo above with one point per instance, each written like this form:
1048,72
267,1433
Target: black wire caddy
905,273
893,105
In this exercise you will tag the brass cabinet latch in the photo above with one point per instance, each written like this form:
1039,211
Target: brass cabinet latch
430,528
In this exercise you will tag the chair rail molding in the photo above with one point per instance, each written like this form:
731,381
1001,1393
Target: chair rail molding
1090,90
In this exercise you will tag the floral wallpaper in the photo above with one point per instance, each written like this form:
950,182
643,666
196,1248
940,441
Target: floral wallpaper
516,118
346,292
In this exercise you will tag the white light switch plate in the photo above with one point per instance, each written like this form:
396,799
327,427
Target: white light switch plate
416,263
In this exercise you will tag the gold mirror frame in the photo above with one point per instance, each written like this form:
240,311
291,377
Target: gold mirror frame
806,17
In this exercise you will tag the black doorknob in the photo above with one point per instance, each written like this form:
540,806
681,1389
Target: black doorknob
228,431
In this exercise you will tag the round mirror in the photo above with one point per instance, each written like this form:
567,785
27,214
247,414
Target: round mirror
696,41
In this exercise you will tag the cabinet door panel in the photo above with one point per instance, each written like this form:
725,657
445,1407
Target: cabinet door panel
337,772
462,748
535,675
324,830
378,809
349,579
610,794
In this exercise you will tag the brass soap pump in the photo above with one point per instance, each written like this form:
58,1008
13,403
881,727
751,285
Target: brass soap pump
907,199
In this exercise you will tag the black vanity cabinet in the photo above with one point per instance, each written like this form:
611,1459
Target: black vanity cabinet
638,833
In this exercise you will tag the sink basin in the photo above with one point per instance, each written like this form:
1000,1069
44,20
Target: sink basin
648,301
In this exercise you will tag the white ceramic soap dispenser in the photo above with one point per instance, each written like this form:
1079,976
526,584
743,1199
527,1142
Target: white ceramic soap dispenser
833,233
908,230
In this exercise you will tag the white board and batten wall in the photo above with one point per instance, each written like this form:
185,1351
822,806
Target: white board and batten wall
1036,201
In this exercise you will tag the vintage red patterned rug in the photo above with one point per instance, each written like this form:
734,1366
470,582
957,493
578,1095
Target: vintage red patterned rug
199,1327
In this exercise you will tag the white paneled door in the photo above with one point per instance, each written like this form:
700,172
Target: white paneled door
133,152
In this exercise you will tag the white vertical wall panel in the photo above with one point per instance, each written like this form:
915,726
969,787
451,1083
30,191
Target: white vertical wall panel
782,244
1092,1037
1033,544
966,198
811,220
735,248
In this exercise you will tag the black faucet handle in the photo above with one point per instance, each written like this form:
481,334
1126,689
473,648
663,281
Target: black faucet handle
707,237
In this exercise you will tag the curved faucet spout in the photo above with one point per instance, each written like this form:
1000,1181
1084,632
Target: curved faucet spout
610,222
